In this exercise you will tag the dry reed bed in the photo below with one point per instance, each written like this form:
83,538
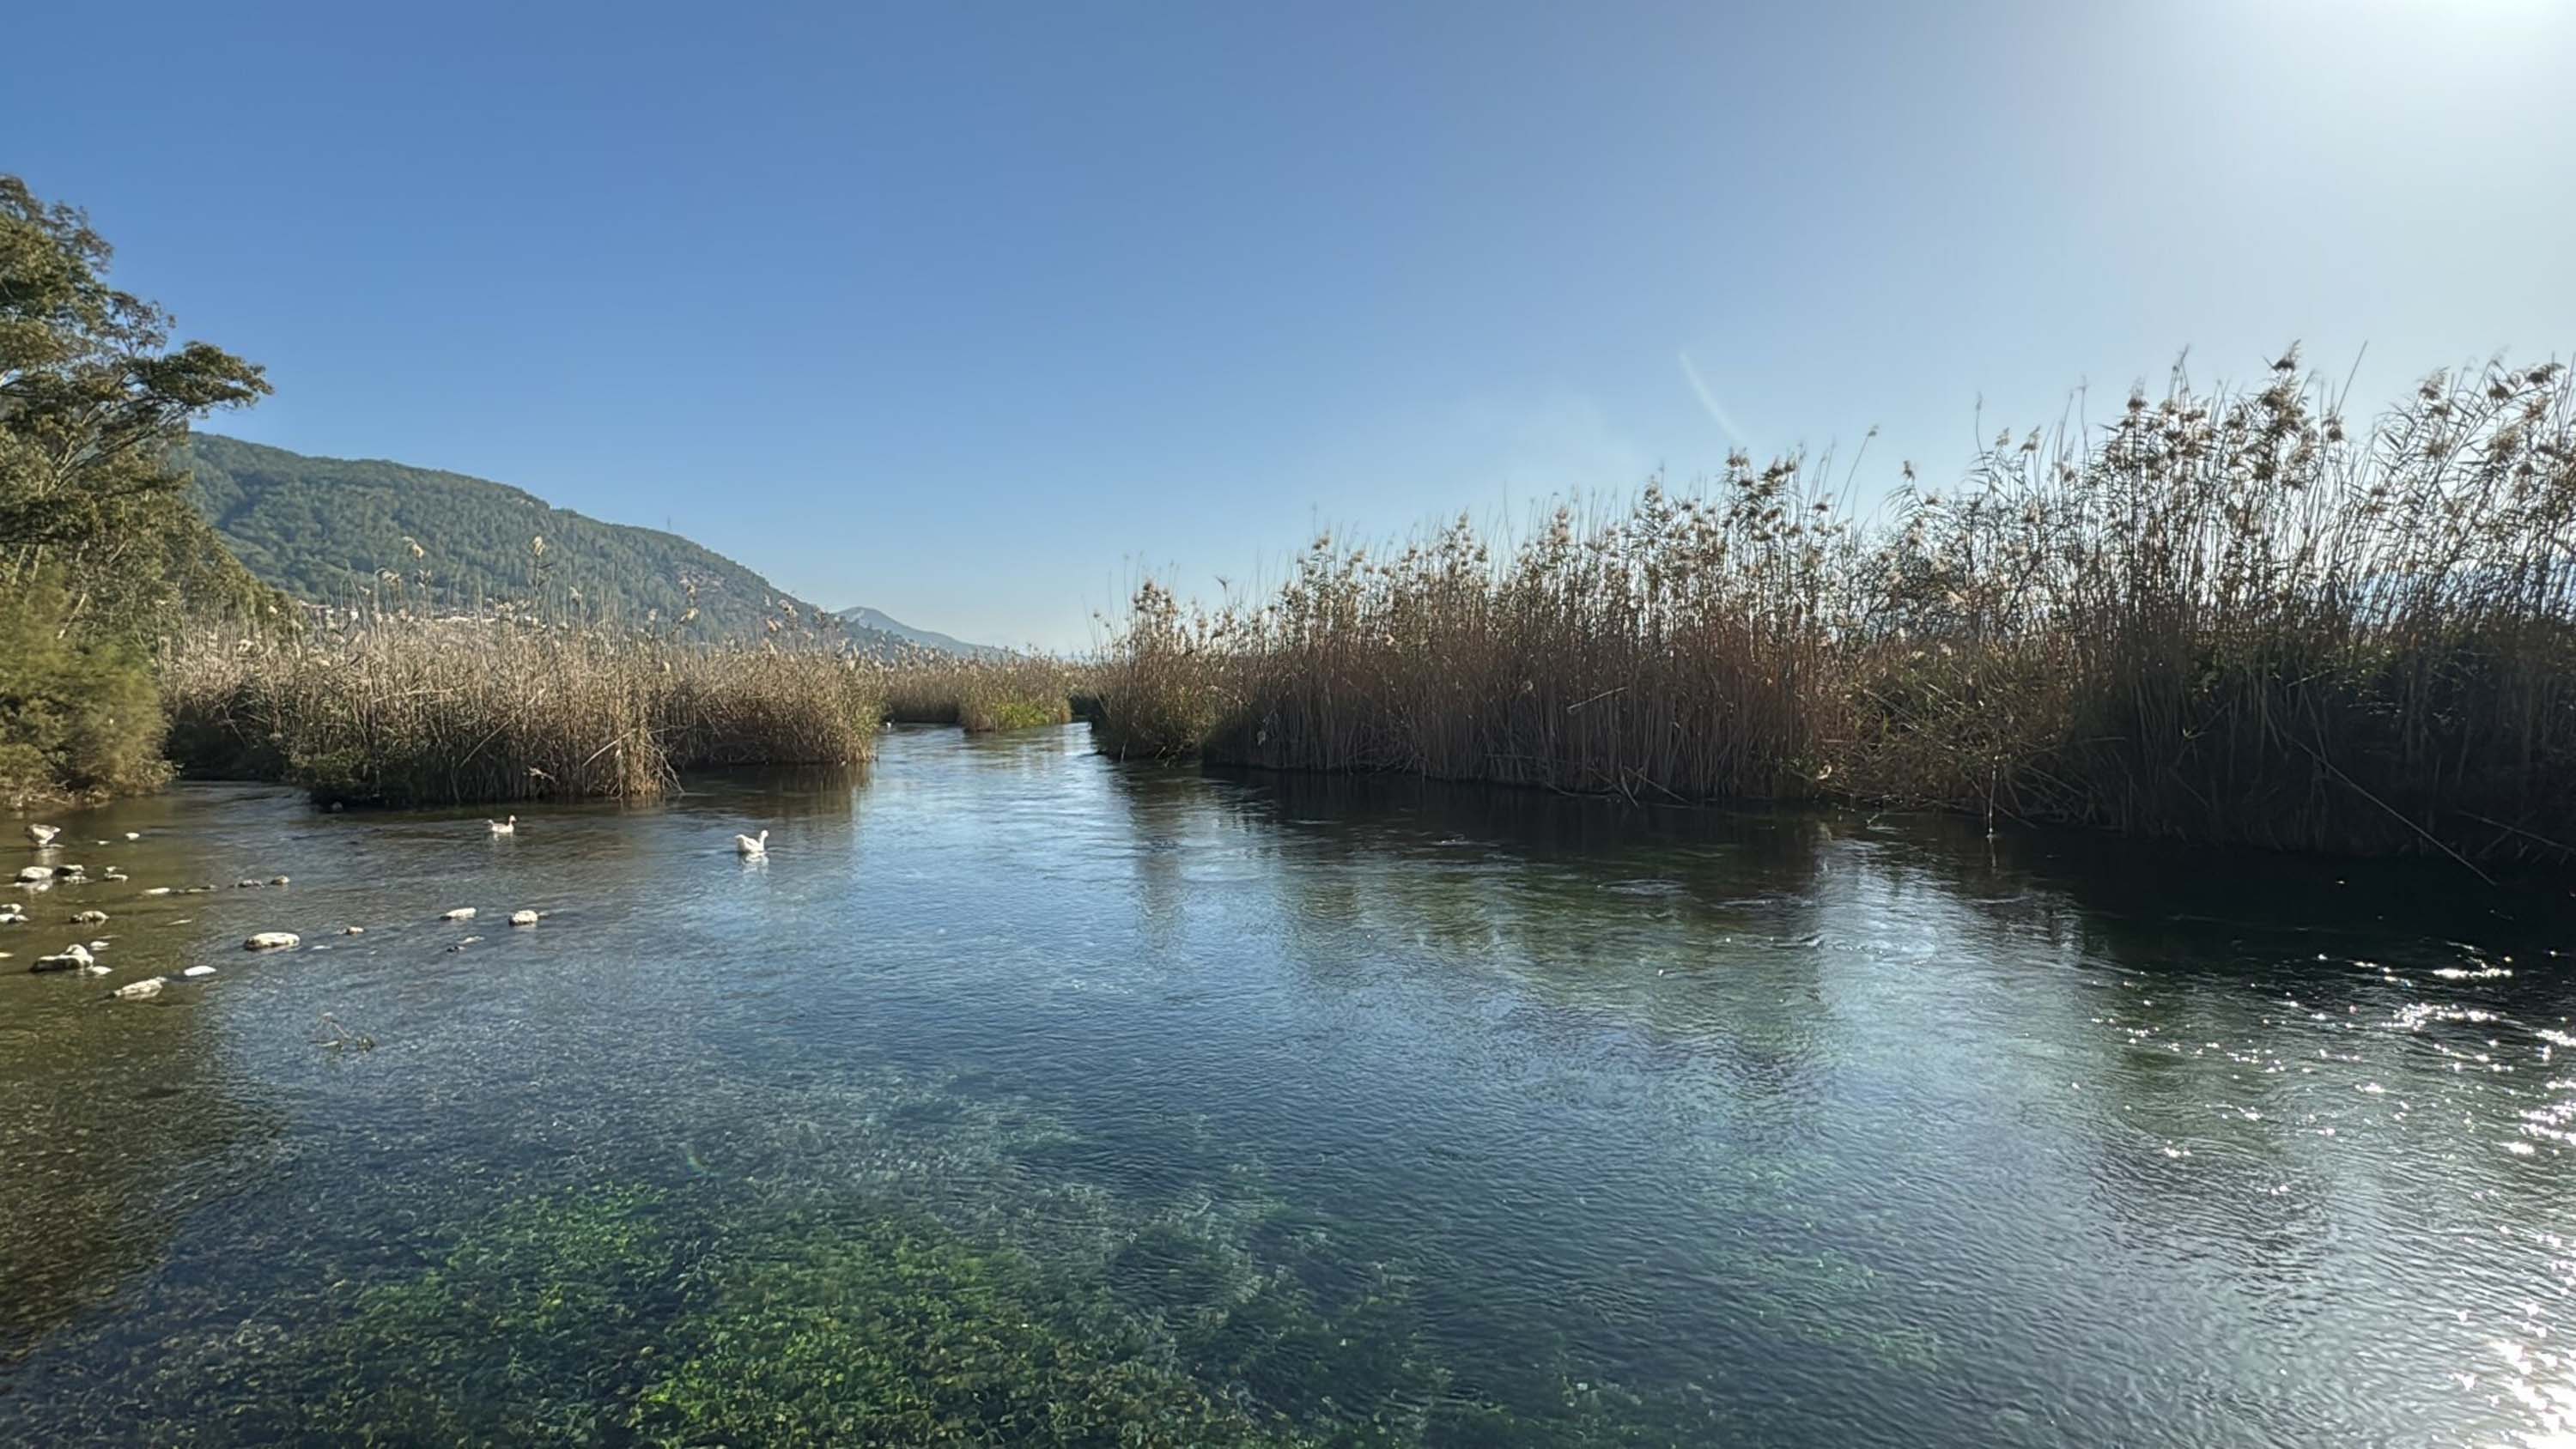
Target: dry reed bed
2221,617
1005,692
405,713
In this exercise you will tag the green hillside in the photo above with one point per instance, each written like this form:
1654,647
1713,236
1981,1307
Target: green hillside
328,530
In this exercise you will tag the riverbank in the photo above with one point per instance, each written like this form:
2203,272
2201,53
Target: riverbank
2226,618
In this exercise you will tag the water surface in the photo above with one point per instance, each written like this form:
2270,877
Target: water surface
1322,1111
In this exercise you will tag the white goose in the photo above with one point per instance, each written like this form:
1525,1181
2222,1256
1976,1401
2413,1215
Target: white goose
747,845
504,827
43,835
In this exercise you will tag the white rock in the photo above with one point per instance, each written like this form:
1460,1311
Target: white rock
272,941
158,891
277,880
195,971
523,918
134,835
89,918
353,930
73,957
149,986
35,872
461,913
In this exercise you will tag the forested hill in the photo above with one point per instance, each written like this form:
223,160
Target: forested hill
327,529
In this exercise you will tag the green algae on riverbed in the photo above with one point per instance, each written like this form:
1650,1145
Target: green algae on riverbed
631,1314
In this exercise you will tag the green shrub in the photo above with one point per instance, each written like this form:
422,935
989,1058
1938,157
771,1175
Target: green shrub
78,716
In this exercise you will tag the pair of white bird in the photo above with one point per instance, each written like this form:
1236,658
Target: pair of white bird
742,844
44,835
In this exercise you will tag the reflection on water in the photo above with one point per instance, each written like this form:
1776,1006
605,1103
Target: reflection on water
1370,1112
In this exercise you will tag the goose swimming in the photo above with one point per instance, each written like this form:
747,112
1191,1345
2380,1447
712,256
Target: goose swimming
747,845
504,827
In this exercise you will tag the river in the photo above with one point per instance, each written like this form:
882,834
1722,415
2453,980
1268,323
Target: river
1018,1094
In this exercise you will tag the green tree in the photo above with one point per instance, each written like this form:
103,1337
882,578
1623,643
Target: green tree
100,548
93,400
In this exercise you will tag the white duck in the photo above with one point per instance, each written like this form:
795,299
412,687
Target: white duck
748,845
504,827
43,835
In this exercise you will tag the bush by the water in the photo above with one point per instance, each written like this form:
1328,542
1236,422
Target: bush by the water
400,712
2223,617
994,692
78,712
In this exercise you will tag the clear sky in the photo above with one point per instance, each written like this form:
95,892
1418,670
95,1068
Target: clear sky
969,311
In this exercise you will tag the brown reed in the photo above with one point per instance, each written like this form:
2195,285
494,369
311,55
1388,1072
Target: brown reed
402,712
980,694
2221,617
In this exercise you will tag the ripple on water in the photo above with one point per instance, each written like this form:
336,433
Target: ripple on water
1479,1118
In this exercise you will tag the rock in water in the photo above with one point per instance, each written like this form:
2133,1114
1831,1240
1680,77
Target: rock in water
279,880
158,891
523,918
74,957
196,971
461,913
35,872
149,986
353,930
272,941
89,918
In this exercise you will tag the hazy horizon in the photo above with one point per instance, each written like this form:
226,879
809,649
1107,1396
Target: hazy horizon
969,315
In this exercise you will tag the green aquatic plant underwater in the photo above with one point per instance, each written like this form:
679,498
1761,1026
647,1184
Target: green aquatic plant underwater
634,1315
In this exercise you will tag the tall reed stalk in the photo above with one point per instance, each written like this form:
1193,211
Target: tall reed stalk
401,712
981,694
2224,617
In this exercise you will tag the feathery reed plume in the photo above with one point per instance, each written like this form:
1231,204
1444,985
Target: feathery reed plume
2225,617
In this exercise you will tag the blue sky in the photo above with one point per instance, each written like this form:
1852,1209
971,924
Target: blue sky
972,311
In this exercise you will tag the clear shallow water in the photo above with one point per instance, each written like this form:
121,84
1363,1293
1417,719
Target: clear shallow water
1364,1112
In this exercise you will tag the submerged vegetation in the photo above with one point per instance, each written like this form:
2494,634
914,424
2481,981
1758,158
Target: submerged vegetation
633,1314
2224,617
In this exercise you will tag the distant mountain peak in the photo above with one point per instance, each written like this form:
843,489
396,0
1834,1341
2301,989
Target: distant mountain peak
878,620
